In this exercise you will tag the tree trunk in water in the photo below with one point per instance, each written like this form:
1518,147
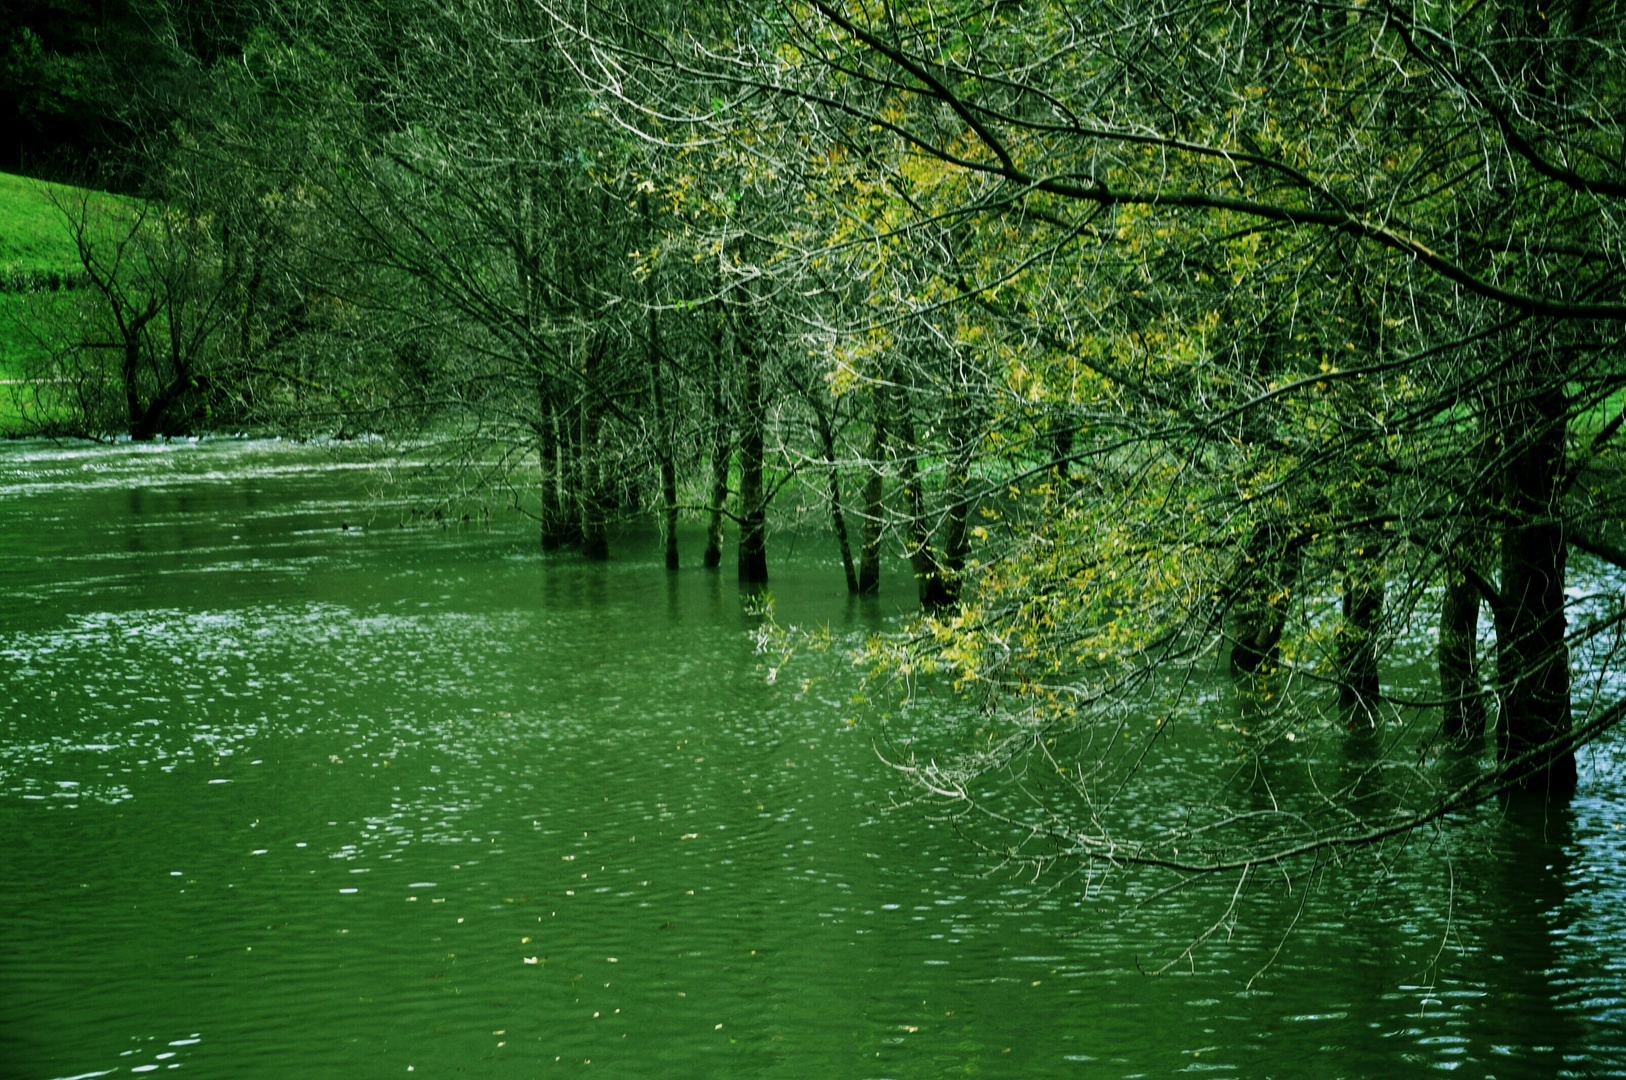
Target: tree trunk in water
956,489
1264,595
663,434
838,521
130,327
1260,609
1357,644
955,545
869,549
1356,647
721,451
719,499
928,574
663,445
595,530
753,564
1532,661
548,462
1463,712
669,496
560,521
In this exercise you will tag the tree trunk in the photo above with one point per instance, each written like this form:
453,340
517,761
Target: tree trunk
721,452
1264,594
595,530
547,455
1356,648
1263,599
838,521
753,566
928,574
1463,712
558,523
869,548
957,492
720,455
663,445
130,369
1532,660
1061,449
152,421
664,450
547,468
669,497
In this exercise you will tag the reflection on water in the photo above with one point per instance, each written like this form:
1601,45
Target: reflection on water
283,798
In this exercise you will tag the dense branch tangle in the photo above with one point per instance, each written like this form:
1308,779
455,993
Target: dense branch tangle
1342,117
1307,304
1183,332
1160,340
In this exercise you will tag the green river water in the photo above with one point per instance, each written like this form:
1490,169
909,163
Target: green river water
280,798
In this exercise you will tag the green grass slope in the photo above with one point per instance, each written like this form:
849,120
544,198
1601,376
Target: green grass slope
37,257
34,237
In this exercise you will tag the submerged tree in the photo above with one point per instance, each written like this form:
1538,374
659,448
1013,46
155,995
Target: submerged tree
1160,341
1424,203
1296,330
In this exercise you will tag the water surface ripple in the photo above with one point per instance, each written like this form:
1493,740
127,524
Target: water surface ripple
291,790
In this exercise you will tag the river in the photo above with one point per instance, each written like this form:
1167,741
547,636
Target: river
289,789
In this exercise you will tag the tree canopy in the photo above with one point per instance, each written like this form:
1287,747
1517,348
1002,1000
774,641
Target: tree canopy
1219,369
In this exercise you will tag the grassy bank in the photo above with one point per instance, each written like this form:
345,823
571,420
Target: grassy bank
34,237
39,267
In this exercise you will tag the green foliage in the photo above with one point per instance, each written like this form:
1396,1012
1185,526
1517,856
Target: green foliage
88,85
1251,335
1231,334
